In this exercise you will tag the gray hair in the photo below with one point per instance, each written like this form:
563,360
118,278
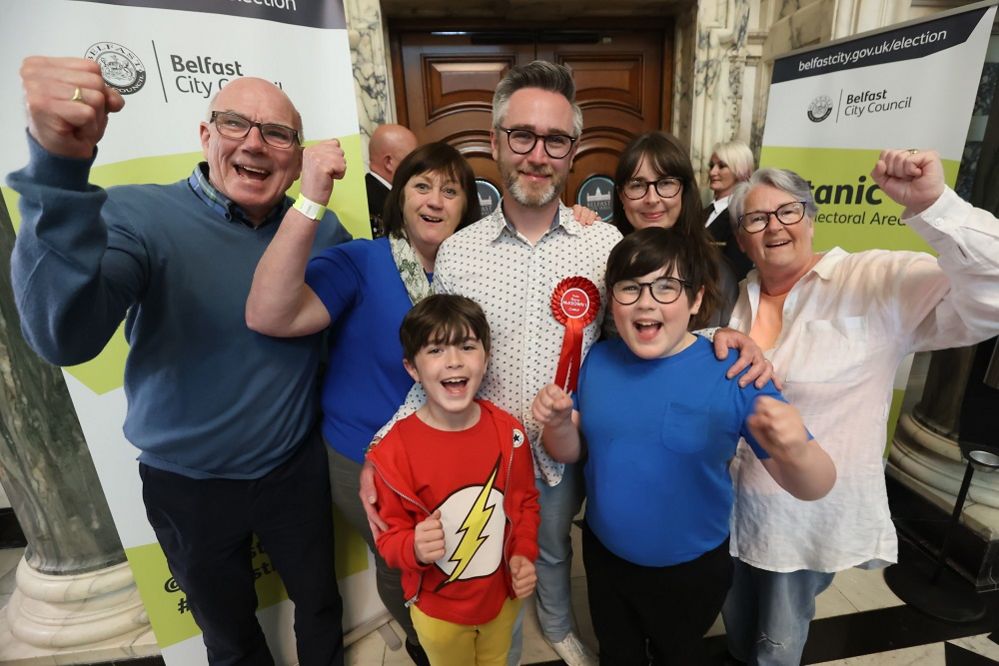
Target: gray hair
541,74
737,155
781,179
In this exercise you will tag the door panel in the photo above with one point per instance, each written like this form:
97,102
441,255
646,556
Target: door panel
618,88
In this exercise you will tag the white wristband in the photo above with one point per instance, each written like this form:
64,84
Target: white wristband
309,208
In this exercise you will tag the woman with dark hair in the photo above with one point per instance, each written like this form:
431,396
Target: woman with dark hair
656,188
361,291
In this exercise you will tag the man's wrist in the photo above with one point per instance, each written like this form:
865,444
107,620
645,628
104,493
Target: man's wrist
309,208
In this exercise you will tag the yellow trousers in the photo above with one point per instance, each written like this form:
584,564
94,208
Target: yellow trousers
450,644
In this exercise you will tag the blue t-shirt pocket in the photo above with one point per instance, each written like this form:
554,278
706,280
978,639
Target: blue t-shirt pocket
686,428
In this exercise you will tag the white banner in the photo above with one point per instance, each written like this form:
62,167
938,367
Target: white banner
168,58
833,108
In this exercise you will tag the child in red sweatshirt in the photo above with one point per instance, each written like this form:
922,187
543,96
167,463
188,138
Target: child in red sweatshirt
456,487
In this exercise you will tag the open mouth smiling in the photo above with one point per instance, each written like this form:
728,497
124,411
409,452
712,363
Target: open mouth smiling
251,172
647,328
455,384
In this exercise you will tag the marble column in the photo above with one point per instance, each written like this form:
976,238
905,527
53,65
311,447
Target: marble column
73,586
924,452
372,80
719,62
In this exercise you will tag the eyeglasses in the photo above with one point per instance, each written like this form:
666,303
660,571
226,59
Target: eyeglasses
756,221
637,188
235,126
522,141
664,290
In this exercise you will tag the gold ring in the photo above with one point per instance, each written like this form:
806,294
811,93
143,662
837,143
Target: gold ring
913,151
77,95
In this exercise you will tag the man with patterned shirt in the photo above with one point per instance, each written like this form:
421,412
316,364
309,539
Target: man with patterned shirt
512,262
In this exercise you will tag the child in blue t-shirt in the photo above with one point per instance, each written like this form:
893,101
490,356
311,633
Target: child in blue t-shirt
659,424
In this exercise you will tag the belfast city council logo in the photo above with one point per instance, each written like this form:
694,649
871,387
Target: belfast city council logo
120,67
820,108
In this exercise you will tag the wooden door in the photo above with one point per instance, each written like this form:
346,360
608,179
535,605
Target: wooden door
445,82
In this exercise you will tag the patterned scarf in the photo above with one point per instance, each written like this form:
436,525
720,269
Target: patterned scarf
410,269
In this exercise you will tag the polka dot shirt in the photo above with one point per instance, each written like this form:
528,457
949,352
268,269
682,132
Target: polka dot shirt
513,281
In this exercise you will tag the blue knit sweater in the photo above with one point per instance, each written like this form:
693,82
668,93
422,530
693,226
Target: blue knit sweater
207,397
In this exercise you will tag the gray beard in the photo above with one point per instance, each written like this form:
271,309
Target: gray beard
529,198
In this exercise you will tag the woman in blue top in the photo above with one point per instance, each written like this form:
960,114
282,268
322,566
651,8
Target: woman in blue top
660,423
361,291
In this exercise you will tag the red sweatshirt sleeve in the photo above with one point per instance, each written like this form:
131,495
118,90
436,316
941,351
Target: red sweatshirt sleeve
396,543
525,500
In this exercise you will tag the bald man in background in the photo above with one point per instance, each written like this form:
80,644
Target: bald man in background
389,145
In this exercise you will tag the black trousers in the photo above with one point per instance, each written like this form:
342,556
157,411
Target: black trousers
659,612
206,526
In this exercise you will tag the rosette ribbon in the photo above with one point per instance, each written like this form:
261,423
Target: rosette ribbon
575,303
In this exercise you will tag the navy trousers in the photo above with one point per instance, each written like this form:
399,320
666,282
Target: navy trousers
656,615
206,528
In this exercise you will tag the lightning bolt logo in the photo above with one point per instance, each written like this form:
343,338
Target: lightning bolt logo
471,529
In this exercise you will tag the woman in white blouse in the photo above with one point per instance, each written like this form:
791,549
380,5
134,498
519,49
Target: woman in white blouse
836,325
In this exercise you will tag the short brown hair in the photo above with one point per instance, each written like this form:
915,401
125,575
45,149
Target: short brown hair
437,158
442,319
691,257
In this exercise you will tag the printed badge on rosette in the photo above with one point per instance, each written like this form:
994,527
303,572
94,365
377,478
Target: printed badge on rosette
575,303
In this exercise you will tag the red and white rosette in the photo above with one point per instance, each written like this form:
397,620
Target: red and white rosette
575,303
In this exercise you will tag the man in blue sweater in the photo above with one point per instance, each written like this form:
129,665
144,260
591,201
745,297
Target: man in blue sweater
224,417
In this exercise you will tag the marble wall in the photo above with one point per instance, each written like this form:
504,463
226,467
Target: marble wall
372,79
720,55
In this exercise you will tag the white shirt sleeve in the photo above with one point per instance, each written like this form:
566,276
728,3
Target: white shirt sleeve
952,300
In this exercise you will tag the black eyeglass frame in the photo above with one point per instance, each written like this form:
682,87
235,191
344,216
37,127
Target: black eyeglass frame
214,118
642,285
544,141
774,214
655,184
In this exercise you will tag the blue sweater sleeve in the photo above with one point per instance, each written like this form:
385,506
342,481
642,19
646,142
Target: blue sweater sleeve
336,278
74,271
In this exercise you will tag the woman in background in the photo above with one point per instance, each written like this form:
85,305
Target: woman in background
731,163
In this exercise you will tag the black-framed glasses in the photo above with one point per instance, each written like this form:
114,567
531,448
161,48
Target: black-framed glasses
664,290
522,141
787,214
235,126
667,188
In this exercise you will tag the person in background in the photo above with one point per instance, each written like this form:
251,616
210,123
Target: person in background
661,421
836,326
387,148
224,418
457,486
361,291
656,188
731,163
